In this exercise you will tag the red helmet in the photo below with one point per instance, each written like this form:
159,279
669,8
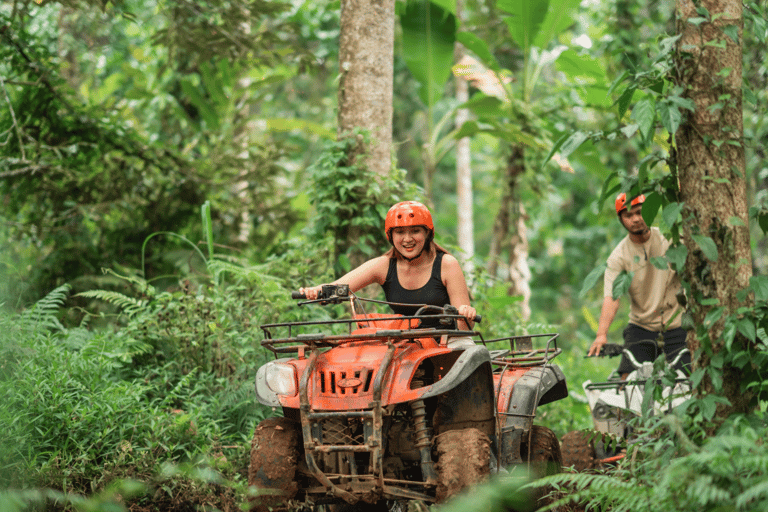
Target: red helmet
621,201
408,213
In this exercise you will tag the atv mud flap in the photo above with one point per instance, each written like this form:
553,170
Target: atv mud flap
538,386
321,442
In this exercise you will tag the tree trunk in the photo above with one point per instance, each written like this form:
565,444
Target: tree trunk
464,200
519,271
711,168
366,66
366,62
515,168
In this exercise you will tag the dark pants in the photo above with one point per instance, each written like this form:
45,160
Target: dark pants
648,345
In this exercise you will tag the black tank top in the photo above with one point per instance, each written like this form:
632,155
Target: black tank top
433,293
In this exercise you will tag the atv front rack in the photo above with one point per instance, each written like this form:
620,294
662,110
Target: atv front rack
293,336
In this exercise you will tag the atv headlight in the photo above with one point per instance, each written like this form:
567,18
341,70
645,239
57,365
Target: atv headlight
281,378
273,379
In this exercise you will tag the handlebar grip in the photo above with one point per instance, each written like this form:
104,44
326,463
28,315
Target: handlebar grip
479,319
298,295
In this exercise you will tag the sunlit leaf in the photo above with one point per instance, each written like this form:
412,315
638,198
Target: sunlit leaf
592,279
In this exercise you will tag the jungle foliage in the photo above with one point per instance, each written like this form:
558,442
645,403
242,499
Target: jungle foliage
168,174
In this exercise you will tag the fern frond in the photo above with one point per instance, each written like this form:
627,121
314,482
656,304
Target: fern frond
141,284
754,495
43,315
129,305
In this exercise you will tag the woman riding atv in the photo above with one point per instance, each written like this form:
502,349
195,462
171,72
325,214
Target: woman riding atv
416,270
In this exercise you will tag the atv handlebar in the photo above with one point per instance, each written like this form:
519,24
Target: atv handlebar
614,349
338,293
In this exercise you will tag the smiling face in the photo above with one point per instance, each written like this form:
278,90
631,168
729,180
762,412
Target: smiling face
632,220
409,240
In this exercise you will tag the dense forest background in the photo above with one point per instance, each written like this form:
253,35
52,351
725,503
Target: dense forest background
170,170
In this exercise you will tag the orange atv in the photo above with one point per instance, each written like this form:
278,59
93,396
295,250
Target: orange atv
378,411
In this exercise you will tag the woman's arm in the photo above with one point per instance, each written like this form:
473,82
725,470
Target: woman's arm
372,271
453,279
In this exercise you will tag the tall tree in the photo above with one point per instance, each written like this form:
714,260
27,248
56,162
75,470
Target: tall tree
711,167
464,202
366,66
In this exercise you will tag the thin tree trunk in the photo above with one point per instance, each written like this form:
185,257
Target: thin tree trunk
464,200
519,271
711,167
514,169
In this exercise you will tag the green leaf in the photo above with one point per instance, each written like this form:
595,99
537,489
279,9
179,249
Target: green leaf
447,5
592,279
676,256
560,16
713,316
670,117
747,328
622,283
707,246
468,129
479,47
625,100
681,102
630,130
729,332
732,31
575,65
759,285
524,20
555,147
671,213
645,115
651,207
572,143
485,106
429,34
660,262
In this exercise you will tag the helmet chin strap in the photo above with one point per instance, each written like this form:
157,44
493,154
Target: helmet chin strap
406,258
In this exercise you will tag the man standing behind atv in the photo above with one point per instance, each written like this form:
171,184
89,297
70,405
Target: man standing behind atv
414,271
654,310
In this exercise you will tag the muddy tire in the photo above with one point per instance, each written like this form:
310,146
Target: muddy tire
544,459
274,458
464,458
545,456
578,451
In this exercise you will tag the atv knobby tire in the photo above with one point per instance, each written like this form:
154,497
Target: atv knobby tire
464,458
543,453
578,450
274,458
544,459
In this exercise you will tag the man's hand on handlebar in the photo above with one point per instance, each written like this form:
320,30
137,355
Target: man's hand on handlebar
597,345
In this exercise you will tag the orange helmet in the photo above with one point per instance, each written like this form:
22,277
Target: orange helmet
621,201
408,213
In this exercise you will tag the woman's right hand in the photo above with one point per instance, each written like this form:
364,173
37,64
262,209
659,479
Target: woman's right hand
312,292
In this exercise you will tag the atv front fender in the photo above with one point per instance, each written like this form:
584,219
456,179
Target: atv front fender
538,386
468,362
